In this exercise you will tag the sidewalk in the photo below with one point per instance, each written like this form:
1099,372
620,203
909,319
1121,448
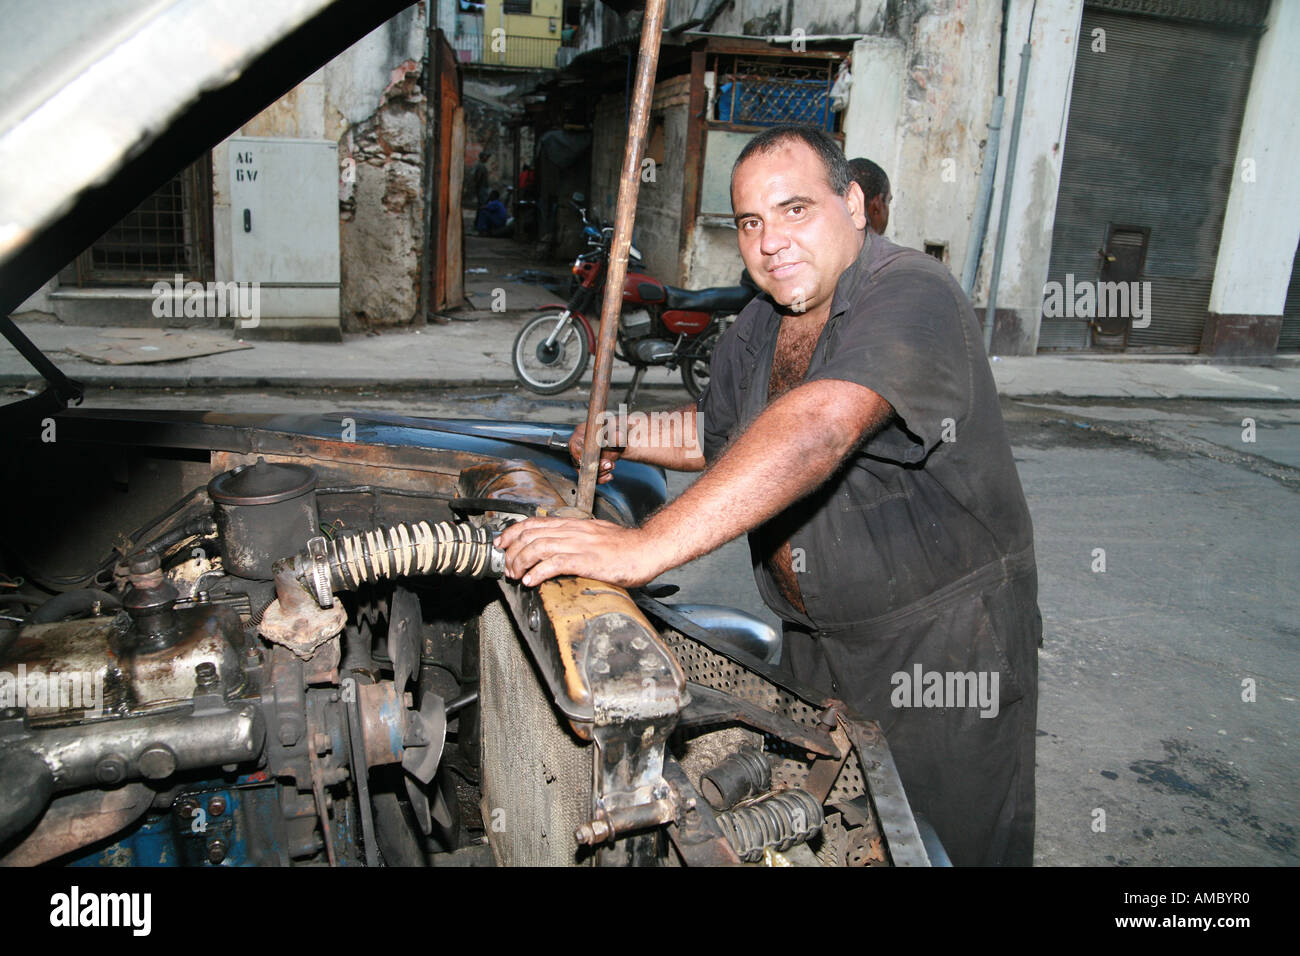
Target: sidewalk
474,350
477,353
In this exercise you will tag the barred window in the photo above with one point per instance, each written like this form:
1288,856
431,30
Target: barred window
749,93
754,92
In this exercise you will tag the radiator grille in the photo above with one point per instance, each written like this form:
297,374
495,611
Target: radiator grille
536,774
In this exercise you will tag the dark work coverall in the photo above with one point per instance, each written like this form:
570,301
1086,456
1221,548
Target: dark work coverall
918,551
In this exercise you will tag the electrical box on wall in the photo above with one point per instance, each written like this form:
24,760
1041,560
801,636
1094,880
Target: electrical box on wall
284,230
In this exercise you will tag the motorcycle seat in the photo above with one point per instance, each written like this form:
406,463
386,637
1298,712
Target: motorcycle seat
719,299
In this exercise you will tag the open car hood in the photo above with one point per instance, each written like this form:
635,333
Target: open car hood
101,102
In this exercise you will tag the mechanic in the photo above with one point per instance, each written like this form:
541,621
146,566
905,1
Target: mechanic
852,427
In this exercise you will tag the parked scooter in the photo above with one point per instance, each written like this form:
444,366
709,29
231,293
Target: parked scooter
659,325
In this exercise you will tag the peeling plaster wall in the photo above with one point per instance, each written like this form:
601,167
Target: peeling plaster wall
779,17
376,109
923,85
369,100
382,210
945,89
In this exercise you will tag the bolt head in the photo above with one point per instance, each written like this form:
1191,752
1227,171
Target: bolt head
290,732
216,806
110,770
157,762
205,675
217,850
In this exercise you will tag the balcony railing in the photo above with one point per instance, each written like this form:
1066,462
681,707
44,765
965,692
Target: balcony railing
534,52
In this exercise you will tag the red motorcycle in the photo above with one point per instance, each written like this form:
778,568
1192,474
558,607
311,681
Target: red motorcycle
659,325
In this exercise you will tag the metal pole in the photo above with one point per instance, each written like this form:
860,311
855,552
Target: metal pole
1007,180
629,184
984,200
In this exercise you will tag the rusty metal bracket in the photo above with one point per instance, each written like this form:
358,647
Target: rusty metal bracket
825,771
696,833
710,706
638,690
902,838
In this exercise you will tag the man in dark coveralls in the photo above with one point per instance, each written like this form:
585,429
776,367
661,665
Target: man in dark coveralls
852,428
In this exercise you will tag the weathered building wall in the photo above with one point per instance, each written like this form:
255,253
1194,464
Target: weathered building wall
924,81
1262,223
1031,216
813,17
376,109
381,208
920,108
369,100
713,257
659,199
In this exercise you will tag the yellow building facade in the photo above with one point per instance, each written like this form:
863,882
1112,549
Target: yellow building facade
512,37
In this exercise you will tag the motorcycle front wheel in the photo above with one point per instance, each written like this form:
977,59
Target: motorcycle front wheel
549,369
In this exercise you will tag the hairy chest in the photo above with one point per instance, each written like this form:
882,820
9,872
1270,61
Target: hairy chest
795,345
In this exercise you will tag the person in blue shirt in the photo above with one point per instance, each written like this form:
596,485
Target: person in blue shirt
493,219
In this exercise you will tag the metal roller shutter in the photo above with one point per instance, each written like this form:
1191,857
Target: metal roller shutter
1151,142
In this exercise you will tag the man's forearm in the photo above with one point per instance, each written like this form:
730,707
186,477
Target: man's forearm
667,439
778,460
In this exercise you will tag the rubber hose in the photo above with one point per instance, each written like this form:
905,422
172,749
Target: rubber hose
61,606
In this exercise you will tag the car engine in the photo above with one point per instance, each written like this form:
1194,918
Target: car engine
216,685
296,650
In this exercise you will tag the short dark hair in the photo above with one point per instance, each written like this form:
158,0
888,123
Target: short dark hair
870,177
838,174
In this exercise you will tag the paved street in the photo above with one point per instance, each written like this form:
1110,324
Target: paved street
1145,664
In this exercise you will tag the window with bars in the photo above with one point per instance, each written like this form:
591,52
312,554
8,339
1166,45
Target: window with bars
771,91
752,92
168,233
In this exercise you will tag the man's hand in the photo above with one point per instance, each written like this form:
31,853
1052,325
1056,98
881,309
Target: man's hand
608,455
541,548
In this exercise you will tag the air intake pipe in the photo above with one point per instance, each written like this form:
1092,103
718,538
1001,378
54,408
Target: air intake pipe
391,551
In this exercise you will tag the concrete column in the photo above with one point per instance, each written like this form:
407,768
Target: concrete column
1027,248
1261,226
872,118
